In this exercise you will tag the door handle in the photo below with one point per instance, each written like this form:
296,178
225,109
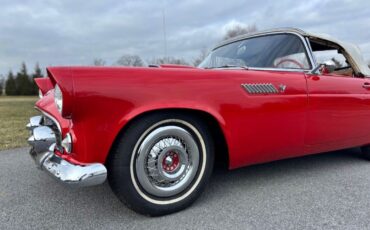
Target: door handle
366,85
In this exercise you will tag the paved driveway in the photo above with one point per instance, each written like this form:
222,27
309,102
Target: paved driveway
328,191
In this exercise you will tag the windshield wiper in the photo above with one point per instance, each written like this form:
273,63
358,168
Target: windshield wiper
228,66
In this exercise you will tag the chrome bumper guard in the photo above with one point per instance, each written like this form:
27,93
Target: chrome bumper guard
43,142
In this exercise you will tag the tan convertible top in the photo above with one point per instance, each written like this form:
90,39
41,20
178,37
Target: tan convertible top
354,54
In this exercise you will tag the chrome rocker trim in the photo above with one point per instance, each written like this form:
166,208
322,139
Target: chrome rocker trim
43,141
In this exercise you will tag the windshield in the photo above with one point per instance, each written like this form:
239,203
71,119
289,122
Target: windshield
283,51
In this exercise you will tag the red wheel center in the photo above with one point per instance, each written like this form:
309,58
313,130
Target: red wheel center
171,161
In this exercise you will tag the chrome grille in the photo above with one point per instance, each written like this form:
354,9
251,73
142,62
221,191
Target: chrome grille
261,88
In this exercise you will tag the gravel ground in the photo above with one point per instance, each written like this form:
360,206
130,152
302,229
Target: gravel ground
327,191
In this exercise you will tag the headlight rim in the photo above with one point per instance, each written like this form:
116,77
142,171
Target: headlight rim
58,98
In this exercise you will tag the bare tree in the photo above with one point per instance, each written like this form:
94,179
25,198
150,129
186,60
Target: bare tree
2,84
130,60
168,60
239,29
201,56
99,62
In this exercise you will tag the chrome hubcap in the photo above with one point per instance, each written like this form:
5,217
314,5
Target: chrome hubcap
167,161
171,162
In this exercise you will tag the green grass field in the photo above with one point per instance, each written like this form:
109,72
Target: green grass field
14,115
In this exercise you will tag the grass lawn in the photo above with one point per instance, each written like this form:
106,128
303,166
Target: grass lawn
14,115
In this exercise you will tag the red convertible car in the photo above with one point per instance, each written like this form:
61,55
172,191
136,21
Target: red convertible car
155,132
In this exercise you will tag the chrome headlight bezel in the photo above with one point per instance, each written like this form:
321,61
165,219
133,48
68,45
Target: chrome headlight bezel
58,98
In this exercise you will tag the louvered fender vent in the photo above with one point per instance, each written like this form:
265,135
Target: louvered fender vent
262,88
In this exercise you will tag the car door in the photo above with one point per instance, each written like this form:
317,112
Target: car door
339,112
267,115
272,120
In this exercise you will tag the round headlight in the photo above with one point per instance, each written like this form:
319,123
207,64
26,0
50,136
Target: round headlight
58,98
67,143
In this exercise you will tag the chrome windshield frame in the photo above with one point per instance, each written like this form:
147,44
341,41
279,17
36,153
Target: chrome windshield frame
303,39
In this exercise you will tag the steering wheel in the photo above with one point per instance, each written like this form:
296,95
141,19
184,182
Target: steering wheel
291,61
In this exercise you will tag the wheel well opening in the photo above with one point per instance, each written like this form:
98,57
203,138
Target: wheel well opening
221,148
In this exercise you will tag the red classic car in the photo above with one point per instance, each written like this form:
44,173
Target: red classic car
155,132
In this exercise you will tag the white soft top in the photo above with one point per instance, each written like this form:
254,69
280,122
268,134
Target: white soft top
352,50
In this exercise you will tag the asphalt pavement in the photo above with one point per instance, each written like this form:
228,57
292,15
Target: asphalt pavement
326,191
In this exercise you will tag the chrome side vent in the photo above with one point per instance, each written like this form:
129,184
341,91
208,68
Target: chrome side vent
262,88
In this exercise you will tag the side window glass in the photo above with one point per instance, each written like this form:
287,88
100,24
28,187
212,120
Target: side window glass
331,55
325,52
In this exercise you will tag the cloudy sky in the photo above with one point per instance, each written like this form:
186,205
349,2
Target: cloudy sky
74,32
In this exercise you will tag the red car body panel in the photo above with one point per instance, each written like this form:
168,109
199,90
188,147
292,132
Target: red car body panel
44,84
339,112
313,114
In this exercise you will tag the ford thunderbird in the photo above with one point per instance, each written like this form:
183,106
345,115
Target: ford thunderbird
154,133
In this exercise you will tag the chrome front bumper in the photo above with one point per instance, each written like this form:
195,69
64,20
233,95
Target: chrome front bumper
43,141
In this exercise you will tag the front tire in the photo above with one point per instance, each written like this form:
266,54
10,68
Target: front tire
161,163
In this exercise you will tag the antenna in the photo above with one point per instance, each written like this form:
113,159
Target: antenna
164,34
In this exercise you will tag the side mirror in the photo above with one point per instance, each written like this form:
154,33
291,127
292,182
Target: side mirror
324,68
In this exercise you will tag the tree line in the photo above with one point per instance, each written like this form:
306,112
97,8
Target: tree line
136,60
22,83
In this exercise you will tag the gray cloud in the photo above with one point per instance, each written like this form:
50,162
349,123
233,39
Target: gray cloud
75,32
